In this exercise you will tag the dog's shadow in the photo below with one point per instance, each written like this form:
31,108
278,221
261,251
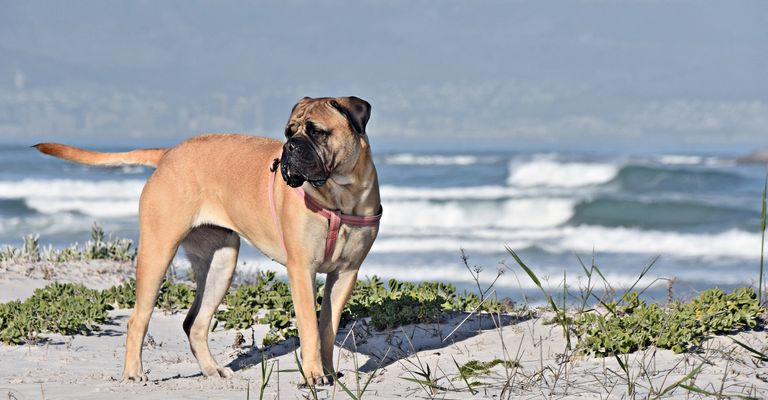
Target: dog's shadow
384,348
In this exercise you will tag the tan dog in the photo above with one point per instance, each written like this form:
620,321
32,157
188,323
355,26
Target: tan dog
209,190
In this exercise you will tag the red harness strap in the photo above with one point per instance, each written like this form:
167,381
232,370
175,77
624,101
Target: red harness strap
335,218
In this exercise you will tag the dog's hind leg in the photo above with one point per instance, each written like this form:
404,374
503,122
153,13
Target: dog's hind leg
158,242
212,251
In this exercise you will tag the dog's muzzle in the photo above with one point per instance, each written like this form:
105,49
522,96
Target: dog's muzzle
300,162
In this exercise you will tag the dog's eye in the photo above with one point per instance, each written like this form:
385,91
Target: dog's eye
316,132
288,131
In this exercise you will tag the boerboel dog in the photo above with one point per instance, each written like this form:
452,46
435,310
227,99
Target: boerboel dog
210,190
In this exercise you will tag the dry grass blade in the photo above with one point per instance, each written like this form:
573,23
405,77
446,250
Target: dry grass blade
696,389
689,375
463,377
265,376
755,353
560,314
310,387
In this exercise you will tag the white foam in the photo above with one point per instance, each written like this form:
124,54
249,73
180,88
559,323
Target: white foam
415,159
551,276
389,192
549,173
96,208
734,243
44,224
71,189
539,212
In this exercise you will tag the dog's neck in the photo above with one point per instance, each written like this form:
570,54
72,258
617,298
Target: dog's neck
355,192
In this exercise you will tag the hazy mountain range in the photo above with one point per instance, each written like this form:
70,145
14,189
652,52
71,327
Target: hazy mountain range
601,75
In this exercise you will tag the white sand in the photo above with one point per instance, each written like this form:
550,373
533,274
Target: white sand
89,367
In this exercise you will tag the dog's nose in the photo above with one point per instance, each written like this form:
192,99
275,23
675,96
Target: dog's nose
290,147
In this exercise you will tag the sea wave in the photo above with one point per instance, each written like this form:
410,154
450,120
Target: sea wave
659,213
13,228
490,192
101,199
733,243
534,212
545,172
105,208
71,189
550,275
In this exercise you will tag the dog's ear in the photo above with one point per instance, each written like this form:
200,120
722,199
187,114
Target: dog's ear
357,111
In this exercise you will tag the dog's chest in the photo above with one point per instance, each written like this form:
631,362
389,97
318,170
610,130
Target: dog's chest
350,249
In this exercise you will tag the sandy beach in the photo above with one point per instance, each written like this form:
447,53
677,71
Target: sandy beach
533,360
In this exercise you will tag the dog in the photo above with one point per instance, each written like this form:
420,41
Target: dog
210,190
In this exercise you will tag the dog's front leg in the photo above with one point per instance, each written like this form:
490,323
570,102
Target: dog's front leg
338,288
304,302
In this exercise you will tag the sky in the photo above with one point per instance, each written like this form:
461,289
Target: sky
583,75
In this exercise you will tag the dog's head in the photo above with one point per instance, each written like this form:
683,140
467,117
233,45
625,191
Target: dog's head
324,136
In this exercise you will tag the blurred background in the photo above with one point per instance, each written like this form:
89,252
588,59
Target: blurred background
574,128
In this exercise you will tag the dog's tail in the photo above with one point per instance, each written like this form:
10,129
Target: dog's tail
148,157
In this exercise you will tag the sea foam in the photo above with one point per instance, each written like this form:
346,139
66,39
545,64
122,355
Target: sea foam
534,212
71,189
550,173
731,244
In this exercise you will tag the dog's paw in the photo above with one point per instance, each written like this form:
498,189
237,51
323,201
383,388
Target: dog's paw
317,380
225,372
129,377
218,372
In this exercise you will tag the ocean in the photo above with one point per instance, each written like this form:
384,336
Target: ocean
700,214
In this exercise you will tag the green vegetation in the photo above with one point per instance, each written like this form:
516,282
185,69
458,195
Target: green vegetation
402,303
70,309
267,296
58,308
625,325
100,247
173,297
474,368
628,325
635,325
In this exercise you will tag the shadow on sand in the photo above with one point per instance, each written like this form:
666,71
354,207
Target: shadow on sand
386,347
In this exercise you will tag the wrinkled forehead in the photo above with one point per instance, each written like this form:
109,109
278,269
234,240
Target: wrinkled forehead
318,112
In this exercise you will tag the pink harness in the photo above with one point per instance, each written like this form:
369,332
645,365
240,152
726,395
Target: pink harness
335,218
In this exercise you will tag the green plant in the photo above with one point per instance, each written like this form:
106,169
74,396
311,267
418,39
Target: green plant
29,251
63,308
561,316
635,325
98,248
122,295
474,368
172,297
110,249
265,376
401,303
